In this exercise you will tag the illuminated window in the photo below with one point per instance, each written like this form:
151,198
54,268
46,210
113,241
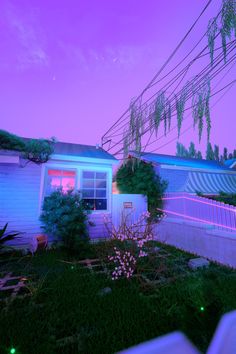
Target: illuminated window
94,190
64,179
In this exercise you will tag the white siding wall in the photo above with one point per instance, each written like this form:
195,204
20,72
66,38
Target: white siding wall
19,197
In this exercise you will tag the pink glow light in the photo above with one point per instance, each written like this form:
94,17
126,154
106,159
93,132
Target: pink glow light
196,219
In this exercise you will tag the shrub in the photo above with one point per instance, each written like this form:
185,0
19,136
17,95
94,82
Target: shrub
140,177
35,150
65,217
6,236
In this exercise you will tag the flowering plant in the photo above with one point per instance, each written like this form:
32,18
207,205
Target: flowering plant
131,239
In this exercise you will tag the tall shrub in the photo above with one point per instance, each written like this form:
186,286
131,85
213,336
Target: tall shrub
138,177
65,217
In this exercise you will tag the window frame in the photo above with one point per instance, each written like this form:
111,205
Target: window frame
107,198
60,168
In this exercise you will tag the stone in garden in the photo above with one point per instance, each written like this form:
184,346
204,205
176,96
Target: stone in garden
105,291
196,263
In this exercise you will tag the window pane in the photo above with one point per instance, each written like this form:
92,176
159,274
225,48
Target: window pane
88,193
55,182
67,183
88,183
101,184
88,174
89,204
100,204
101,175
100,193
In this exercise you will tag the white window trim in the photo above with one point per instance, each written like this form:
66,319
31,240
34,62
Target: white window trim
78,169
108,197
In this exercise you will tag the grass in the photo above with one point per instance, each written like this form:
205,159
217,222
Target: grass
66,314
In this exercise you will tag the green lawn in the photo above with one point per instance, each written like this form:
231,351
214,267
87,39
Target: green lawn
66,314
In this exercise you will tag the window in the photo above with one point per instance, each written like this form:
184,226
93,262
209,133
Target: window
55,179
94,190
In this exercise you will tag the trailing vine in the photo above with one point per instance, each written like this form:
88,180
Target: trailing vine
226,26
201,108
180,104
159,110
211,33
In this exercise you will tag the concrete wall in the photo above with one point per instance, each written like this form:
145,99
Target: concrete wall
202,240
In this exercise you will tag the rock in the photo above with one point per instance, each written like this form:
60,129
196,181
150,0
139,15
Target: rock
196,263
105,291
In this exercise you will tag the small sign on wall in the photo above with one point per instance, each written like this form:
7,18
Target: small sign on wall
128,205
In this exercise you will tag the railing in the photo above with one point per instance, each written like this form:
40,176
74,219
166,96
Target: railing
199,209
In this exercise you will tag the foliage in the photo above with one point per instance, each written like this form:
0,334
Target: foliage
39,150
35,150
7,236
209,152
226,26
11,142
190,152
228,21
211,33
225,198
131,238
216,153
141,178
180,104
201,108
159,110
64,216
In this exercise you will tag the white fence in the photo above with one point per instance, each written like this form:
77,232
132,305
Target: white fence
199,209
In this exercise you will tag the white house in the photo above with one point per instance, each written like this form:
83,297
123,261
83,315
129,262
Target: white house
23,186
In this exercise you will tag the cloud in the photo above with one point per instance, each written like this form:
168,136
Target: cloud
30,46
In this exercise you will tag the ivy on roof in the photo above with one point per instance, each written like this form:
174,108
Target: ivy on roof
35,150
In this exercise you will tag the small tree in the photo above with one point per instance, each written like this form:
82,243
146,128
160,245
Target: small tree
65,217
209,152
216,153
192,151
139,177
225,154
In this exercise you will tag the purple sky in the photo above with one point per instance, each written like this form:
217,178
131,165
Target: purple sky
69,68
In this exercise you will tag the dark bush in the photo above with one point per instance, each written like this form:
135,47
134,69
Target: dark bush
65,217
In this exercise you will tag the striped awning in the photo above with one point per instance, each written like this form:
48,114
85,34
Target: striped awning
210,183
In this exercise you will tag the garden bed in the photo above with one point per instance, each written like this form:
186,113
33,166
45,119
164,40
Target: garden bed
75,307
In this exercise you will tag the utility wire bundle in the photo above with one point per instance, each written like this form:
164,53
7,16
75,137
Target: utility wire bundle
142,120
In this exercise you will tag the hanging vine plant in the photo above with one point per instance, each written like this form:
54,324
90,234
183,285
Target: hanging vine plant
158,111
201,108
226,27
180,104
211,33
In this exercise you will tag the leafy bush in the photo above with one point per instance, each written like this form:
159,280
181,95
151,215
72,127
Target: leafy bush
225,198
11,142
140,177
65,217
35,150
